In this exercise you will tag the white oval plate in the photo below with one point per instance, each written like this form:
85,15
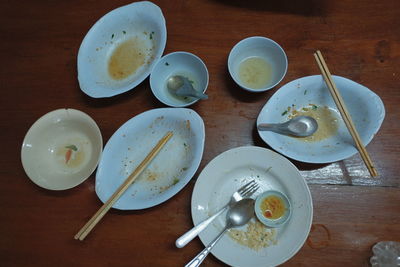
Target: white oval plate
365,107
228,172
50,138
170,170
143,20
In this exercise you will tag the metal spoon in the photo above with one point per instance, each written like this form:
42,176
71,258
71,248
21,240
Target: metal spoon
238,215
299,126
181,86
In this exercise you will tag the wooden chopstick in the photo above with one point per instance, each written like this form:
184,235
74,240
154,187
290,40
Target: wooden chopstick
344,113
85,230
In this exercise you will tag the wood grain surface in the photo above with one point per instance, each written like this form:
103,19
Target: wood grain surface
360,40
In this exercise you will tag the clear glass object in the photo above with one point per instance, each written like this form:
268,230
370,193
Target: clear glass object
386,254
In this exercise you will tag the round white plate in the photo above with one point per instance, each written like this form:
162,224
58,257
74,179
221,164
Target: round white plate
365,107
169,171
228,172
61,149
141,20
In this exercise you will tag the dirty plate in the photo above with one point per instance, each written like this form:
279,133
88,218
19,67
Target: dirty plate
231,170
332,141
170,170
120,49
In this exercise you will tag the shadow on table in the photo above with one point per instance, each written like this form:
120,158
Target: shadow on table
141,91
301,7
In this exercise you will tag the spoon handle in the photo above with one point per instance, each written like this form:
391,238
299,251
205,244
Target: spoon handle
274,127
188,236
200,95
196,261
192,93
266,126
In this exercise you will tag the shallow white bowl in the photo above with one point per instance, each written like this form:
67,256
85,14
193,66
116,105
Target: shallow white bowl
178,63
143,20
365,107
168,172
264,48
45,145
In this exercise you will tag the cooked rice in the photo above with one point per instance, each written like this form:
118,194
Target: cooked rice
256,236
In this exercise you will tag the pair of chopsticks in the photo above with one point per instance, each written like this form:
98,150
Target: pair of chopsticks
344,113
85,230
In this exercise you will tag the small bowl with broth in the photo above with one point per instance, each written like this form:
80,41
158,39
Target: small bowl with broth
120,49
257,64
272,208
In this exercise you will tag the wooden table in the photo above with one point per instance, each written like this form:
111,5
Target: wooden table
40,39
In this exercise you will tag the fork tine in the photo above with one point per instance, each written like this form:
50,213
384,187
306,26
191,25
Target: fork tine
250,190
246,186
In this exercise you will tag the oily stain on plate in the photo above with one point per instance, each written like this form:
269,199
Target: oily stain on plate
128,57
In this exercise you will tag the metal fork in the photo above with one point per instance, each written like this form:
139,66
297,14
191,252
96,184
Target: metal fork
244,192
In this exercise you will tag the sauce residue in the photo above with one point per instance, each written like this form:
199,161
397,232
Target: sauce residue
255,72
273,207
326,119
127,58
72,155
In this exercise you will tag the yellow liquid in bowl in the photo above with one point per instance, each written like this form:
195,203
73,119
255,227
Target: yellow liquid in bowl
273,207
255,72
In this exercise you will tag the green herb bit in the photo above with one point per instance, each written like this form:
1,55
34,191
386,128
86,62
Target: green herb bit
175,181
124,32
305,92
74,148
151,35
284,113
166,64
192,82
112,36
314,107
184,144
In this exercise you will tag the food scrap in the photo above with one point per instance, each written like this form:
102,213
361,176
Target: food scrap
68,153
256,236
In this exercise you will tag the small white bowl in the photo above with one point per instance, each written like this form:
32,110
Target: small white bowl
178,63
141,28
272,222
61,149
268,52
